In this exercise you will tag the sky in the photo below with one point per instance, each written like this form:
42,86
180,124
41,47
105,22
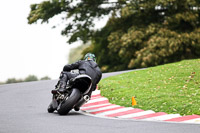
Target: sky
25,49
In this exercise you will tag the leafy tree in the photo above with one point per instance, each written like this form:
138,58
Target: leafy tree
82,13
139,33
159,32
31,78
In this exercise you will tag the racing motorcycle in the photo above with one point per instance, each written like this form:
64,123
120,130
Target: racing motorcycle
74,96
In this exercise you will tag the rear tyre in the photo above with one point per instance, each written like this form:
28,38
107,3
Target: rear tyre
68,104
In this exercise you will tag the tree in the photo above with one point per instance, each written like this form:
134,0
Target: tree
82,13
148,33
139,33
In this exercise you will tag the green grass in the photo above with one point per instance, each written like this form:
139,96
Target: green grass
171,88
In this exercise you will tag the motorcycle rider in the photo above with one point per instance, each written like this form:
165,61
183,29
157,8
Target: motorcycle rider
87,66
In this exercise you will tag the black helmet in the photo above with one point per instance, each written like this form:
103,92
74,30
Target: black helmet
90,56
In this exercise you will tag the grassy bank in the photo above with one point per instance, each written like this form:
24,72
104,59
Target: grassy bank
171,88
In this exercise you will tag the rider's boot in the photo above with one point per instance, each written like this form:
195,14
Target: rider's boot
61,85
60,88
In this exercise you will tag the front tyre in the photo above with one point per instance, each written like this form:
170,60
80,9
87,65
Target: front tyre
50,108
68,104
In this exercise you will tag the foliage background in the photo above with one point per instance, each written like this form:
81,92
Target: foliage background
139,33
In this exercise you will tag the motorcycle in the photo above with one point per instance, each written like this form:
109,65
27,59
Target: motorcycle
74,96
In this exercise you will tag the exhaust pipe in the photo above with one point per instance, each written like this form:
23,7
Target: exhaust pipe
86,98
82,101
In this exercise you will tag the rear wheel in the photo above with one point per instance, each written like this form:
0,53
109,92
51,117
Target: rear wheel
68,104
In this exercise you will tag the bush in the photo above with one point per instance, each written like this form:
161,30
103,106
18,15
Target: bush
13,80
45,78
31,78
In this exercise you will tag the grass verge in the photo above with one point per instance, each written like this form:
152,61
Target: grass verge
171,88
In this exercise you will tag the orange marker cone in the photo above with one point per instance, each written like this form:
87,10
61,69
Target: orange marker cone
134,101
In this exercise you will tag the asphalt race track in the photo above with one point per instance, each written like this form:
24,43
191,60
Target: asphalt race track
23,109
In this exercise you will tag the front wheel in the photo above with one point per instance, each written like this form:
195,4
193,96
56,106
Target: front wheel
68,104
50,108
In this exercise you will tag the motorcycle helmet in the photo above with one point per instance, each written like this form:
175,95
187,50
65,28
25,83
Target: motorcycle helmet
90,56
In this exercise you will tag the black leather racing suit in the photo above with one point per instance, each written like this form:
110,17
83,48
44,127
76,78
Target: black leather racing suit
88,67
